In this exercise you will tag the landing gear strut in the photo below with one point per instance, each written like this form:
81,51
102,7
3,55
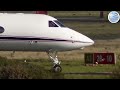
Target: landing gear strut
56,63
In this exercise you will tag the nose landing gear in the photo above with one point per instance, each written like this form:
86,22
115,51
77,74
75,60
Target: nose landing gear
56,63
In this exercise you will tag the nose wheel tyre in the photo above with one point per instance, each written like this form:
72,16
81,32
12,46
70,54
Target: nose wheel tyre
57,68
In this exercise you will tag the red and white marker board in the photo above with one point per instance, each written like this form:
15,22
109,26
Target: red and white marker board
100,58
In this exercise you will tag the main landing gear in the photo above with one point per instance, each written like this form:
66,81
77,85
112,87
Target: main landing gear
56,63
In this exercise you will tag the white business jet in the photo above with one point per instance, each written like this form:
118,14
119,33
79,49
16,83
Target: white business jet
39,32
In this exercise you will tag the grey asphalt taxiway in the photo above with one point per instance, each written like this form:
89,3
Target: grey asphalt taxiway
83,19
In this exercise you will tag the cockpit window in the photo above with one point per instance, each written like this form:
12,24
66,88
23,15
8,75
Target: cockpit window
52,24
59,23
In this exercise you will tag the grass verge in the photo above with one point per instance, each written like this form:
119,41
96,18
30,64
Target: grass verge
14,69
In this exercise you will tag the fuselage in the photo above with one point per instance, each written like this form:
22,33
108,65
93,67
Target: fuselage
38,32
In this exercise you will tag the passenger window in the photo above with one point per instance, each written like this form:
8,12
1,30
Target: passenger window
52,24
1,29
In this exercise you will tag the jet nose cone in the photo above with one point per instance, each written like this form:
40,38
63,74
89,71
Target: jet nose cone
88,41
92,42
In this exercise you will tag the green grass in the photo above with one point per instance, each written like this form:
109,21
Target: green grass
33,68
78,66
87,76
18,69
